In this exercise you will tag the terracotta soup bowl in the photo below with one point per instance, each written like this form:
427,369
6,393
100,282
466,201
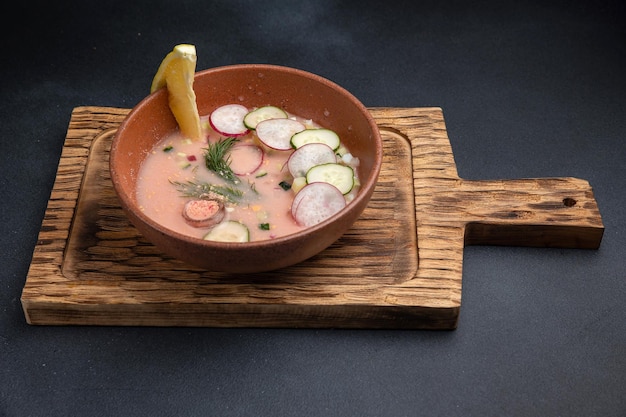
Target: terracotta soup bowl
297,92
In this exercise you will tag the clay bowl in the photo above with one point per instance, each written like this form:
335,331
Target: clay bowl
296,91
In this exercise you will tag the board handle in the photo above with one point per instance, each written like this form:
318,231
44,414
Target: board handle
538,212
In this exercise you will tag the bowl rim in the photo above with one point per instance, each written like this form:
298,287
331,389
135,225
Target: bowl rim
369,184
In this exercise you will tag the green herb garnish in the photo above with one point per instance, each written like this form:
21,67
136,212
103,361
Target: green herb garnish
168,148
264,226
202,189
216,158
285,185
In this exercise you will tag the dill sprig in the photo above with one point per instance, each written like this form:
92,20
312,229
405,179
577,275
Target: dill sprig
201,189
216,158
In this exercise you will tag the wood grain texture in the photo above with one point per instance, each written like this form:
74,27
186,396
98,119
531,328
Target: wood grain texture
399,266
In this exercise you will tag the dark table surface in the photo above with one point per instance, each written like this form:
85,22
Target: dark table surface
527,91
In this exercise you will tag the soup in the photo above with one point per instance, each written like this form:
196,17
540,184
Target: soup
259,174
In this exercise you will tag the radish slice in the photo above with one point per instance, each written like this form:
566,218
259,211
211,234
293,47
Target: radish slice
309,155
228,120
277,133
316,202
245,159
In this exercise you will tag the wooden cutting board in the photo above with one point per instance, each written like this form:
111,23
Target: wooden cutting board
399,266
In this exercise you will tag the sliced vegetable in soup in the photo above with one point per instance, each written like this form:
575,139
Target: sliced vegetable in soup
259,173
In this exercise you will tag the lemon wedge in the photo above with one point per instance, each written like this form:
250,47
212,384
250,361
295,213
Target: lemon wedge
176,73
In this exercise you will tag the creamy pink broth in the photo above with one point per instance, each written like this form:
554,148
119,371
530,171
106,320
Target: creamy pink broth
271,204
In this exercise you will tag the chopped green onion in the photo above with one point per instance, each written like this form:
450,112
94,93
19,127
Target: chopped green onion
264,226
285,185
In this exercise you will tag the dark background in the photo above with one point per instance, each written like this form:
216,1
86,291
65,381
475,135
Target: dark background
528,89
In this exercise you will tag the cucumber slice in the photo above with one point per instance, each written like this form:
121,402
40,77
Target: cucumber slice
256,116
341,176
229,231
321,135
